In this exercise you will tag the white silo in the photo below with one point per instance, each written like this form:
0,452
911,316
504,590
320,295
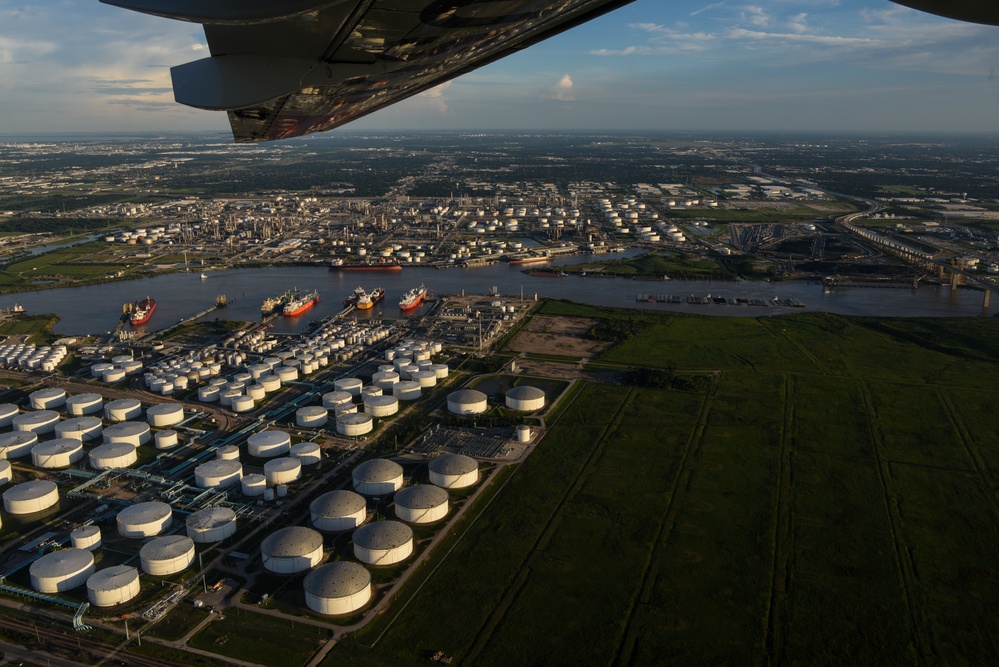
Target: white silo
123,409
227,453
336,588
254,485
62,570
368,392
383,543
421,503
165,414
212,524
134,433
269,382
381,406
353,425
385,379
40,422
292,549
453,471
312,416
426,379
17,444
84,404
209,394
440,370
84,429
377,477
86,537
242,404
523,433
113,455
113,585
285,374
144,519
309,453
218,474
334,399
524,398
58,453
268,444
467,402
350,385
7,413
338,510
166,439
407,390
166,555
49,398
282,470
31,497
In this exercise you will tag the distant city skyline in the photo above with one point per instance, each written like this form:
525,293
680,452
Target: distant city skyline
779,65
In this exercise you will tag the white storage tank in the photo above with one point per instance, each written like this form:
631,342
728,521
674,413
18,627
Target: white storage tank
257,392
383,543
353,425
338,510
286,374
377,477
41,422
7,413
218,474
212,524
312,416
123,409
134,433
421,503
467,402
84,429
112,586
268,444
49,398
309,453
453,471
209,394
385,379
6,472
227,453
525,398
62,570
341,587
523,432
166,439
17,444
282,470
407,390
381,406
86,537
144,519
292,549
166,555
350,385
269,382
113,455
368,392
241,404
58,453
84,404
30,497
440,370
254,485
165,414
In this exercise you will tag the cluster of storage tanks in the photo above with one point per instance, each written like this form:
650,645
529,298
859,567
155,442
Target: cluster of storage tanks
119,368
190,370
509,219
344,587
522,398
29,357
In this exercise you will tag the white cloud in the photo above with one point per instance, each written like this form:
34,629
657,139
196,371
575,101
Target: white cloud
562,91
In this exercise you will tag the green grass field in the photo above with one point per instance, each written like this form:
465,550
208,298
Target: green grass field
831,501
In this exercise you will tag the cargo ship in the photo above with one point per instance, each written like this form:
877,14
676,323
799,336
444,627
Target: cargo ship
300,304
368,301
530,259
273,304
140,311
412,298
354,297
340,265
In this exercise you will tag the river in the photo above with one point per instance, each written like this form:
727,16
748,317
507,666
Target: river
94,309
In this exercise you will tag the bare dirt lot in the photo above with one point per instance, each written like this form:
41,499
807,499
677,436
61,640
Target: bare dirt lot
564,336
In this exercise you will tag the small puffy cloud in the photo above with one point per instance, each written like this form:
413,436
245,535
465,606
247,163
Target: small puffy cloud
561,91
435,100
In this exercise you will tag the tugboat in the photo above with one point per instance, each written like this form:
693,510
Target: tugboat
300,304
412,298
141,311
368,301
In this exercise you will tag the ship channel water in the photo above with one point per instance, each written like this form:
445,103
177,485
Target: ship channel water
95,309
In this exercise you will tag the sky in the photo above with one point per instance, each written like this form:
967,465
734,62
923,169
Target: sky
844,66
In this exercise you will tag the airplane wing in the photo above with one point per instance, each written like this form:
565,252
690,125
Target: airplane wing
973,11
286,68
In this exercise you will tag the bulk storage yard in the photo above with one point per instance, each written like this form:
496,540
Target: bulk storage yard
255,469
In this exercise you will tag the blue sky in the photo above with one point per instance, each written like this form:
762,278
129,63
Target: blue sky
830,65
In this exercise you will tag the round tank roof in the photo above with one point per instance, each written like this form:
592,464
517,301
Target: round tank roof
167,547
337,580
382,535
61,563
219,468
147,512
210,517
338,503
27,491
291,542
421,497
525,393
112,578
377,470
453,464
466,396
